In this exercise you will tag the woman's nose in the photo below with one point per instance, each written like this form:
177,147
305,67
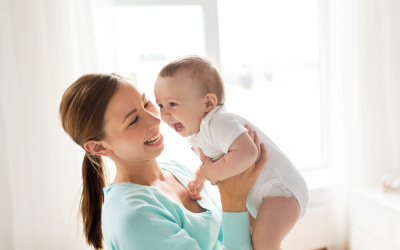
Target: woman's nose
153,118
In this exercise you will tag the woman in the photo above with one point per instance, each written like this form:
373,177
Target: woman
147,206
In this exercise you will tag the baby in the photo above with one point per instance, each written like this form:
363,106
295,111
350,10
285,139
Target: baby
190,94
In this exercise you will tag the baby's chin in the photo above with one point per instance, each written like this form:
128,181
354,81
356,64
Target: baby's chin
184,134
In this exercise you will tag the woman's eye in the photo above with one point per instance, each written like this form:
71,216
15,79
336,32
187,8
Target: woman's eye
172,104
147,104
134,121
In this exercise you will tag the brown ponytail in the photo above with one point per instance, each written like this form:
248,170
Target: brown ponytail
94,180
82,111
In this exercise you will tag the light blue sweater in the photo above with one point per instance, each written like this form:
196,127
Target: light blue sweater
143,217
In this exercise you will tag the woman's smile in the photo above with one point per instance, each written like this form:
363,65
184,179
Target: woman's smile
155,141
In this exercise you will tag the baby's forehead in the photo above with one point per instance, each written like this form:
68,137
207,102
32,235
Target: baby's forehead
185,73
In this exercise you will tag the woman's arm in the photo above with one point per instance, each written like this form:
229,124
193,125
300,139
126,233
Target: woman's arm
233,192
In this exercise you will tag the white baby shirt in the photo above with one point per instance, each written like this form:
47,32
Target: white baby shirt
218,130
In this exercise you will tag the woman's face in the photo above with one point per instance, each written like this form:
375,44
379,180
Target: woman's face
132,127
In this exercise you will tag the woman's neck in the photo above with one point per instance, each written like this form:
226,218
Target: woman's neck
146,173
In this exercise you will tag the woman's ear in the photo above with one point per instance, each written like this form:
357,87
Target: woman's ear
96,148
210,100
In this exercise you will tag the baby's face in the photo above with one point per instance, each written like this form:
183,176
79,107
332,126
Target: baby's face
181,105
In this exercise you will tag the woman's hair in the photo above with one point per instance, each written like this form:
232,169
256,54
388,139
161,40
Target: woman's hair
202,73
82,111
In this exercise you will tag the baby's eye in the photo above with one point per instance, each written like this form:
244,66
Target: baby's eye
172,104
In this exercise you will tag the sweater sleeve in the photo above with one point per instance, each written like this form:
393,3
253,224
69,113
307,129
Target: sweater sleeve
236,231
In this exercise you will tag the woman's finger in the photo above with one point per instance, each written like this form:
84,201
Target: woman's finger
249,131
261,162
257,141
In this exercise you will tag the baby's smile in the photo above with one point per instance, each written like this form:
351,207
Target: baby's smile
178,127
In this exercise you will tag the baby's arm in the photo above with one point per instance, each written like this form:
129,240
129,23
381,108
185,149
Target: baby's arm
241,154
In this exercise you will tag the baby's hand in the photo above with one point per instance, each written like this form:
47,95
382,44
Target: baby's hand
206,163
195,186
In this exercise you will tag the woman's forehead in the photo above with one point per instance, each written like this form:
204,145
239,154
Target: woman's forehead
126,98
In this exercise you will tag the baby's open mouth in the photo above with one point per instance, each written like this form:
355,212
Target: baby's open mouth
178,127
153,139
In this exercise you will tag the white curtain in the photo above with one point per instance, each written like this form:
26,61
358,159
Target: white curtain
363,62
44,46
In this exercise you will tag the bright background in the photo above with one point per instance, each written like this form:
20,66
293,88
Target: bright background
269,60
320,77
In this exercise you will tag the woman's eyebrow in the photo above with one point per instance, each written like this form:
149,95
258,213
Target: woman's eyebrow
135,109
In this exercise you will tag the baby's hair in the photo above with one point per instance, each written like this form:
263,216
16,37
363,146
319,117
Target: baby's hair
201,71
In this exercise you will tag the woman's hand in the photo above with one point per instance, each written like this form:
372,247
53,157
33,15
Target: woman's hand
233,191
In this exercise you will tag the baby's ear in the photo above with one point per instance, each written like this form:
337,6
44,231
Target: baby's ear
210,100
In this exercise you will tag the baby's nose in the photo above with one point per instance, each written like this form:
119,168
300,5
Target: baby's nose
165,114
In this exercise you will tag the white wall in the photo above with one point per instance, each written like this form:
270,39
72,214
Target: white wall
6,221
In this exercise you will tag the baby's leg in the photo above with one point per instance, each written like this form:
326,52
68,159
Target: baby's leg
276,217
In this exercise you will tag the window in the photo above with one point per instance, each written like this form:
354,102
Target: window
270,63
267,52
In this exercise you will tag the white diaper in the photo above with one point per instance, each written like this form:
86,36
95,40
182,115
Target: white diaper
277,190
271,184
